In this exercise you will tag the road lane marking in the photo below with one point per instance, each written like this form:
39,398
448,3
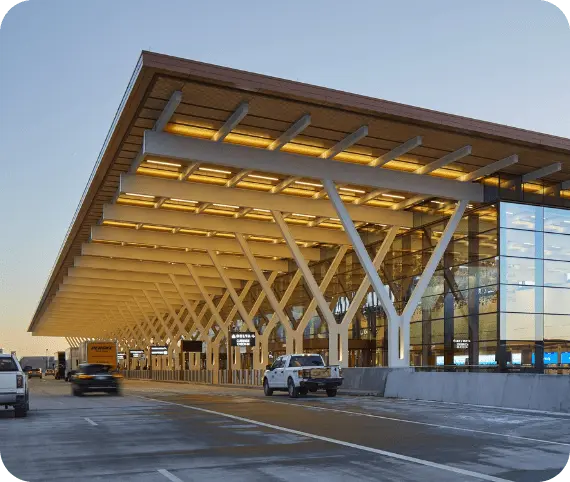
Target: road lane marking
364,448
90,421
168,475
415,422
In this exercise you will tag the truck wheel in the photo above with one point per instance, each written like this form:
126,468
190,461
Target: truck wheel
77,392
331,392
304,391
20,411
292,389
267,389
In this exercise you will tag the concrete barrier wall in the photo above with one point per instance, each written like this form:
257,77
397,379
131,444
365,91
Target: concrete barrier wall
366,380
508,390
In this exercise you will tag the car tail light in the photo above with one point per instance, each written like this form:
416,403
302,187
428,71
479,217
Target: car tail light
19,381
117,375
84,377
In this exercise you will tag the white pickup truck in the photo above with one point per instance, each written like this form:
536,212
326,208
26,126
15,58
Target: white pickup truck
300,374
13,385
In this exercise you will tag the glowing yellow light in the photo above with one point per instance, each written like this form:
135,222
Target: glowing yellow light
262,210
310,216
313,184
183,201
146,196
225,206
395,196
209,169
349,189
164,163
257,176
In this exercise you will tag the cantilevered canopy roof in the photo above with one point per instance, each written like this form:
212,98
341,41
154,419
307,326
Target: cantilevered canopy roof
199,156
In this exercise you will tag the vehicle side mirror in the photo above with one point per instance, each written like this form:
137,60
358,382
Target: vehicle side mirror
268,367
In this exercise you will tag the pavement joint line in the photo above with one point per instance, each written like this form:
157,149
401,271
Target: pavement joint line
91,421
168,475
364,448
520,437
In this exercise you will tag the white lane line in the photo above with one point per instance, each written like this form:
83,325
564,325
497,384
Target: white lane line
168,475
415,422
90,421
364,448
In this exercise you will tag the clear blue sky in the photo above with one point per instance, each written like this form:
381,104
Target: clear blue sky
65,64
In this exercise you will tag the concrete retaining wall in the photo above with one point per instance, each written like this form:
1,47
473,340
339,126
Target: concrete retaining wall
508,390
366,380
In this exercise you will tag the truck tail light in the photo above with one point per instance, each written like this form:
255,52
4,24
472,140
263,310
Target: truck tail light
19,381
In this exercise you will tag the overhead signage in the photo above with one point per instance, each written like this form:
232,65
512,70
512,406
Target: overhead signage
191,346
136,353
246,338
121,355
461,344
159,350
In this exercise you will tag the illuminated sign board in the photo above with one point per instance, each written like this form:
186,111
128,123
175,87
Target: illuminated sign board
121,355
246,338
191,346
136,353
159,350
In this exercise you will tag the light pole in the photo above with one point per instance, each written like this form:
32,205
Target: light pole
46,358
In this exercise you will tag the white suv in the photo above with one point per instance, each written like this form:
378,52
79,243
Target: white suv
300,374
13,385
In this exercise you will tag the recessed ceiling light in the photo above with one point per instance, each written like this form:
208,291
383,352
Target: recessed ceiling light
313,184
267,178
219,171
164,163
395,196
139,195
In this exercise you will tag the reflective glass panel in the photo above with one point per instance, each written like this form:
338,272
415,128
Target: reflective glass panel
521,216
557,246
557,301
521,326
557,327
557,273
520,298
523,244
521,271
557,220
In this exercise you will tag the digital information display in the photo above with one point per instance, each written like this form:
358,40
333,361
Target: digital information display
246,338
136,353
191,346
121,355
159,350
550,358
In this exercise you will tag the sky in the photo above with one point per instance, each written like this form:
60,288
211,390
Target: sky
64,66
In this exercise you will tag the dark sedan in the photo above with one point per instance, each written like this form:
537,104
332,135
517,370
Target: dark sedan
95,378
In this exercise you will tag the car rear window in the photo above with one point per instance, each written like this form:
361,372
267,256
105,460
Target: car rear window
8,365
93,369
306,361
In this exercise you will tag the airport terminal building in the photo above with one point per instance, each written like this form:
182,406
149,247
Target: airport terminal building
374,233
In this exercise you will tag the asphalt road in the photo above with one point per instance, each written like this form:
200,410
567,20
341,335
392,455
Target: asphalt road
179,432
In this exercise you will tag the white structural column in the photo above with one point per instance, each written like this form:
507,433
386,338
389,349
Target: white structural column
189,307
364,286
370,270
147,319
313,287
427,274
287,324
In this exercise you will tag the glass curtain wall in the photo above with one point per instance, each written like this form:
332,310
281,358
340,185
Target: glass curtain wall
535,285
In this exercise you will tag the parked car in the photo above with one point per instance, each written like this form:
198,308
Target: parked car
49,372
35,373
13,386
300,374
95,377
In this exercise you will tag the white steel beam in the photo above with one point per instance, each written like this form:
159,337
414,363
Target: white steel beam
271,298
397,152
165,217
148,237
293,131
192,149
490,168
233,294
232,122
365,283
445,160
195,322
154,267
161,123
534,175
110,274
207,298
249,198
170,256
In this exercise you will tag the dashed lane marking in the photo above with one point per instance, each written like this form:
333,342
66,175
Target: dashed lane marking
90,421
168,475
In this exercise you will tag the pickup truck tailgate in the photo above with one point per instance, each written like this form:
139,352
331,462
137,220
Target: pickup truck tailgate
8,382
